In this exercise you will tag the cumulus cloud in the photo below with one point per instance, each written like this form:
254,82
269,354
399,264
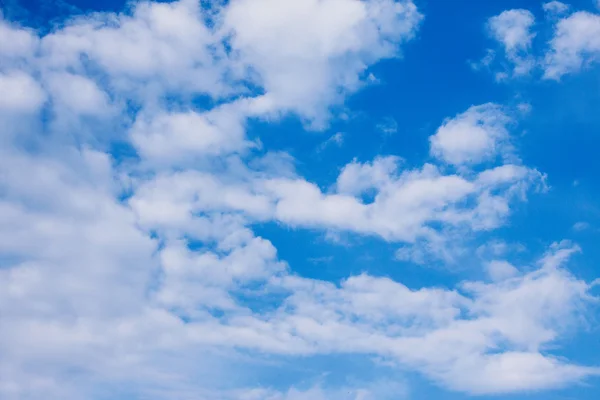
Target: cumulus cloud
78,94
306,54
180,137
479,134
513,30
499,270
159,47
20,93
575,44
16,44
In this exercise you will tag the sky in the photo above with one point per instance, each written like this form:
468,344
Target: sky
299,200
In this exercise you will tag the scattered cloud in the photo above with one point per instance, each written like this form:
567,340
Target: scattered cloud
524,108
485,62
575,44
555,8
305,70
479,134
153,275
513,30
581,226
388,126
337,139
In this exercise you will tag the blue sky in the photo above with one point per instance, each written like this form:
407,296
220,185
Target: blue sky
299,199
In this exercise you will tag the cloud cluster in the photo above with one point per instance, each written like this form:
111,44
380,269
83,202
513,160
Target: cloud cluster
574,43
555,8
143,274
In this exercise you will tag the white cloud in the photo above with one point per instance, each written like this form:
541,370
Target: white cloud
403,207
20,93
479,134
305,54
512,28
16,43
195,282
575,44
356,178
77,94
182,137
555,8
160,47
499,270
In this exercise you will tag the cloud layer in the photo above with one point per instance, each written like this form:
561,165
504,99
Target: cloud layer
144,273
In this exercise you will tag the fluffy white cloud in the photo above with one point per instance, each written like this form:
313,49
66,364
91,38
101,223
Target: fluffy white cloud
500,270
357,178
512,28
403,208
575,44
20,93
183,137
479,134
77,94
16,44
305,54
160,47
